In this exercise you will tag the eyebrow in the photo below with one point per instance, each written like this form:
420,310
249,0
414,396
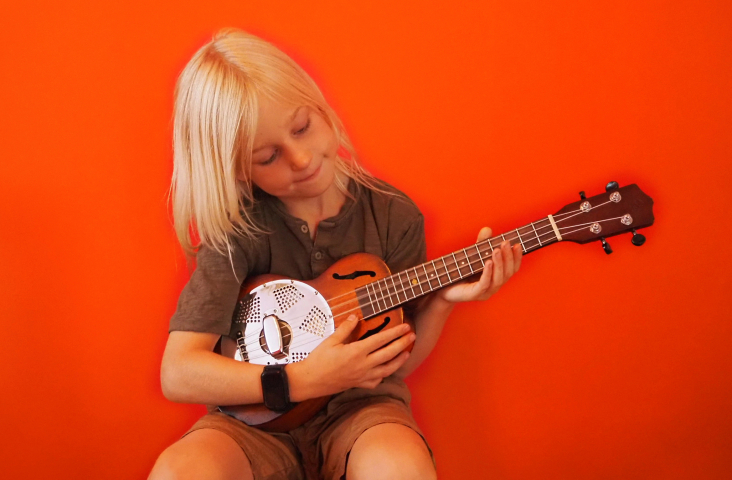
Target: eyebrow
292,119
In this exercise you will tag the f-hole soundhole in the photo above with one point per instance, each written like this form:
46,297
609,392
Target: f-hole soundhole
376,330
354,275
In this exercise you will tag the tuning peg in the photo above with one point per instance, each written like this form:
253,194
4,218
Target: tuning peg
637,239
606,246
582,195
611,186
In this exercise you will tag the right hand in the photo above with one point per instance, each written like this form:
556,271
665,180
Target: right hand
335,366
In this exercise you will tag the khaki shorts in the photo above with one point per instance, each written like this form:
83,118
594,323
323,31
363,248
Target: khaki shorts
319,448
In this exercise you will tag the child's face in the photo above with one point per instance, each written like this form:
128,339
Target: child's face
294,151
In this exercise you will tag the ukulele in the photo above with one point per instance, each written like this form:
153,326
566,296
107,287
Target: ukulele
279,320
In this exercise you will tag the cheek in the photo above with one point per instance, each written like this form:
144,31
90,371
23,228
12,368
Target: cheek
334,144
270,180
327,139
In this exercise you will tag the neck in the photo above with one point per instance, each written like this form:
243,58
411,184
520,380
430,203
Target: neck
399,288
314,210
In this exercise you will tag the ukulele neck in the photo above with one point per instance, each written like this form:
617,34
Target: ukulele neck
397,289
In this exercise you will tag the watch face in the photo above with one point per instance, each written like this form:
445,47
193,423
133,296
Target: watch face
274,389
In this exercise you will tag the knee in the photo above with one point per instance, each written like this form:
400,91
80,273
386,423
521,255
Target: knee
390,451
168,467
202,454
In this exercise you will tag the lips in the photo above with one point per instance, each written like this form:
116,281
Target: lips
311,176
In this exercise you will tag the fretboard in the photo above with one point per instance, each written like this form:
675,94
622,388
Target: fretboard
399,288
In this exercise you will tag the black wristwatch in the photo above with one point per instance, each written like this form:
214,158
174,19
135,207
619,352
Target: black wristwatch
275,388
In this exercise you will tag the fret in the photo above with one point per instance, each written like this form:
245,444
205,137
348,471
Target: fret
427,277
504,238
430,276
437,274
480,254
417,277
447,271
490,244
402,284
371,301
457,266
537,234
411,285
396,290
384,296
468,260
368,305
522,242
378,306
387,296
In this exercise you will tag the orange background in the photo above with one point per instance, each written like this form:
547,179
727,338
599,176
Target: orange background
584,366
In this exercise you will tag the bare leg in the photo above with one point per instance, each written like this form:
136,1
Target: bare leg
390,451
205,453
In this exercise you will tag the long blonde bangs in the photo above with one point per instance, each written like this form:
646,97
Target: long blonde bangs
215,118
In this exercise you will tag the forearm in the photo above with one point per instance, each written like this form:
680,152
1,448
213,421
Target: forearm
428,321
208,378
192,373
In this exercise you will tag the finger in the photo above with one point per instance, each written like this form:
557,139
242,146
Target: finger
484,282
484,233
343,331
497,279
384,355
507,252
386,369
377,341
369,384
517,256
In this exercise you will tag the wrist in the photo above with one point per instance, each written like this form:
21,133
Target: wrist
439,302
301,388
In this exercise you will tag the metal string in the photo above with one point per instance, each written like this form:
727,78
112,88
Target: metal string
468,256
431,289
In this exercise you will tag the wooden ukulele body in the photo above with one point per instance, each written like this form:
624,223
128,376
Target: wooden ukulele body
339,283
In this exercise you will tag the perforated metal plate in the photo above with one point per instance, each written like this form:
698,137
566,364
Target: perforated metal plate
295,303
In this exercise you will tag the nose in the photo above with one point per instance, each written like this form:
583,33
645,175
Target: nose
300,158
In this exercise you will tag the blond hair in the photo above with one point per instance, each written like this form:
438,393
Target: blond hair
215,117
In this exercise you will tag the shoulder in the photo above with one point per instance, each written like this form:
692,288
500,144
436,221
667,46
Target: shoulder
391,203
399,224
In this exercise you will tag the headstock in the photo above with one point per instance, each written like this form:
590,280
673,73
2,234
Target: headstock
616,211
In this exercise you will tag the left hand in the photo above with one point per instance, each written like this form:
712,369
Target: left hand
506,261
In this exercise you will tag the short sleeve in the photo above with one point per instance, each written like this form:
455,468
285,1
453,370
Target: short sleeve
208,299
409,249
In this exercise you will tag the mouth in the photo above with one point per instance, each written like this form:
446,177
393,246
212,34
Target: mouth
311,176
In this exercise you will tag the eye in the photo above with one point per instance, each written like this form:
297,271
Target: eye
303,129
271,159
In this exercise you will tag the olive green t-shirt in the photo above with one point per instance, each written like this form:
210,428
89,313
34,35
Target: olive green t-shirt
388,226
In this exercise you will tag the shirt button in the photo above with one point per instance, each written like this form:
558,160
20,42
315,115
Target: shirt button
318,255
304,228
